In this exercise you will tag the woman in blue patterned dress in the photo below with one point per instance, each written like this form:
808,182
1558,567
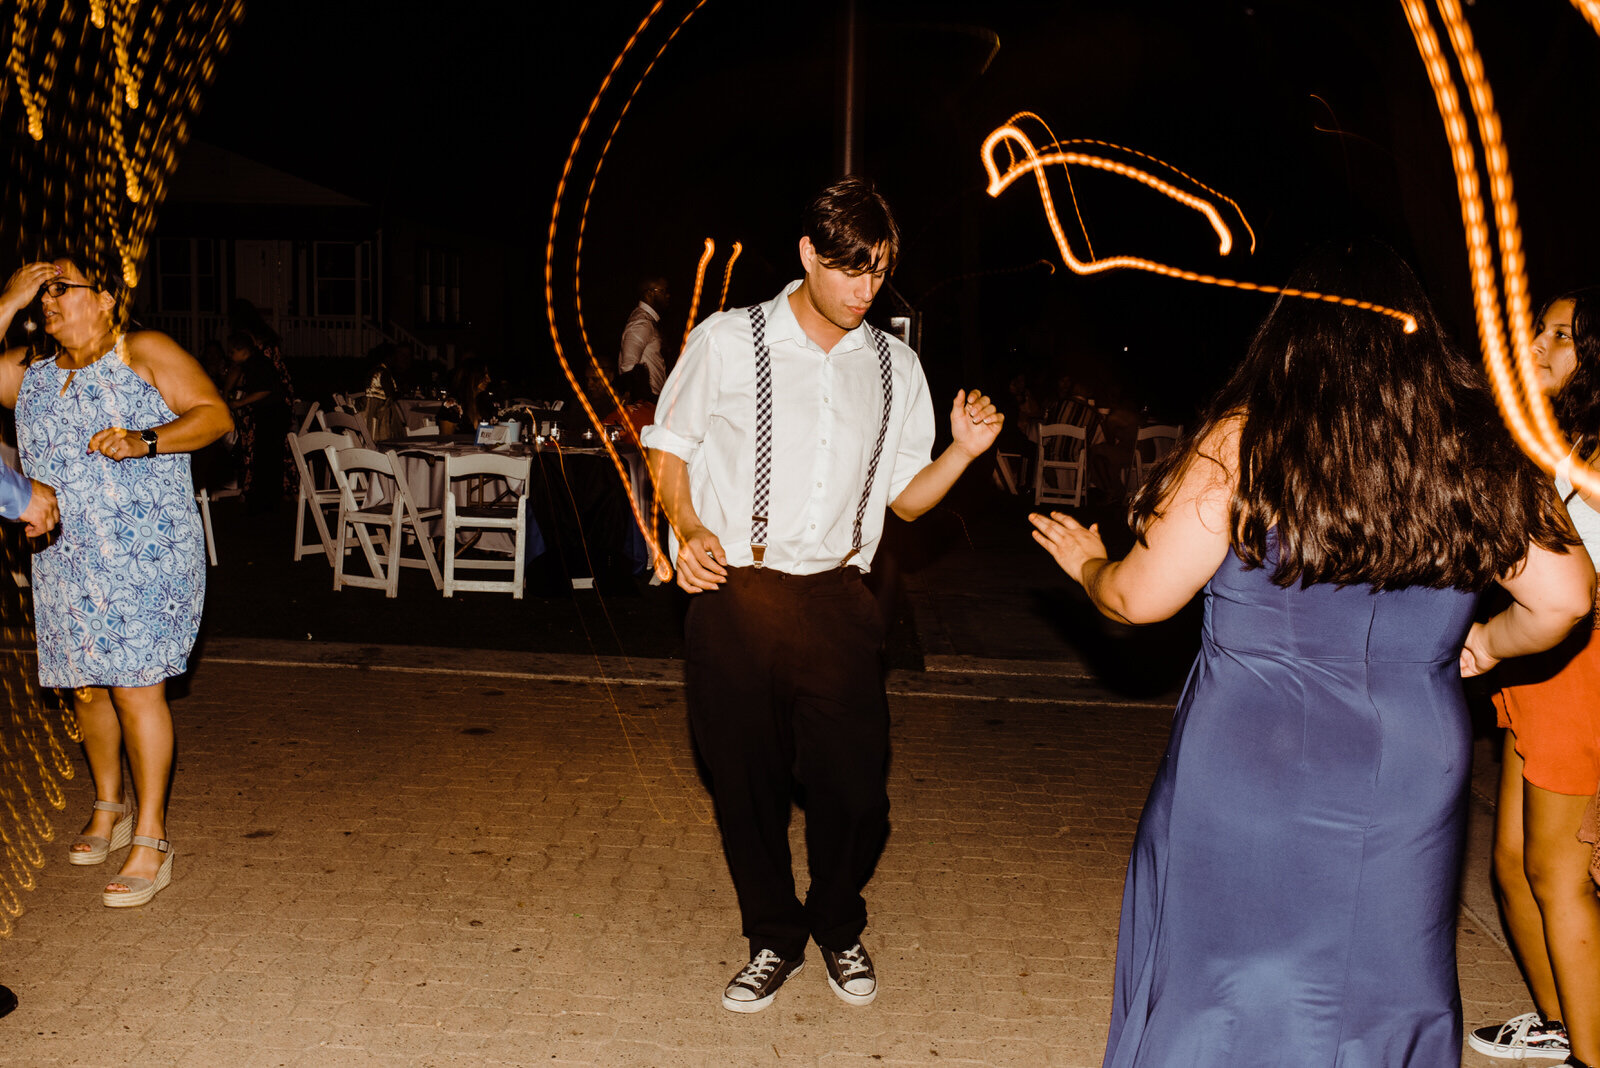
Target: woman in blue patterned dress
108,419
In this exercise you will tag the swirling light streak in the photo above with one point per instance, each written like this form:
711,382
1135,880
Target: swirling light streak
706,253
1589,9
727,274
1035,163
1510,369
659,561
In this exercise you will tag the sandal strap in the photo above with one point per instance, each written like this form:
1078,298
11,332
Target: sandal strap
111,806
154,843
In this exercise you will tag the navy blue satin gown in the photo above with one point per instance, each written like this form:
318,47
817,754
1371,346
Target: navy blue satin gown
1291,898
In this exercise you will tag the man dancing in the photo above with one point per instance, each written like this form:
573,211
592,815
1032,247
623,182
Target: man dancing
781,436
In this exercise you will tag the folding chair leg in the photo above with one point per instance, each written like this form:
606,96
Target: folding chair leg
448,548
519,546
204,497
392,574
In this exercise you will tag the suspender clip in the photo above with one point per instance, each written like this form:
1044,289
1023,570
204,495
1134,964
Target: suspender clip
759,552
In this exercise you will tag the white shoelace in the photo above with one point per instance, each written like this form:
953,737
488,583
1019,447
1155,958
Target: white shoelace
761,965
1514,1032
851,962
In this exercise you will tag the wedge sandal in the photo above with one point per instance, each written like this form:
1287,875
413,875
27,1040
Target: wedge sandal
100,848
139,889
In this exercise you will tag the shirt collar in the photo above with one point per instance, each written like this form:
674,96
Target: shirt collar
782,325
650,312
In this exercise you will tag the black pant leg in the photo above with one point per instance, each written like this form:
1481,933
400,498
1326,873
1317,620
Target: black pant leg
841,731
742,730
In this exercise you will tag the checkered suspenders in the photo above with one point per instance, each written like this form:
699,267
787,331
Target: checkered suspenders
763,485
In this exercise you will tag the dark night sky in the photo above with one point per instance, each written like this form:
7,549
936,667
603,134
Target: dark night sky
464,113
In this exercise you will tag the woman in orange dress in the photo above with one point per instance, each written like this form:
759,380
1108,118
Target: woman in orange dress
1551,704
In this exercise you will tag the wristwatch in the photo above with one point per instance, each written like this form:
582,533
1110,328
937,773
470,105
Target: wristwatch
149,437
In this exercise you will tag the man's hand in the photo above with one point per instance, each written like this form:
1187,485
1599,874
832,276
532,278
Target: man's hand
974,422
702,565
42,514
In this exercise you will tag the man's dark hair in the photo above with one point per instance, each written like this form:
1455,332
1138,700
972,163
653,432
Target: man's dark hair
848,222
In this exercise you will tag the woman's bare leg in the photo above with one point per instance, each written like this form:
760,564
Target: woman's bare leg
1523,919
147,735
102,743
1558,871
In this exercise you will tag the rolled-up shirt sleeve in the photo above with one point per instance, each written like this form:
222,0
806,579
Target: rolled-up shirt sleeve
15,492
688,398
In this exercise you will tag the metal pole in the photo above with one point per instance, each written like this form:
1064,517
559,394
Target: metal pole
849,91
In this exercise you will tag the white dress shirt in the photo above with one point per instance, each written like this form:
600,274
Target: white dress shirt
826,409
641,343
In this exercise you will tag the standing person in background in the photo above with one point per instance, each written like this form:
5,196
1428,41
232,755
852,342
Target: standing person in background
788,429
1291,897
1550,769
641,364
109,419
256,398
245,318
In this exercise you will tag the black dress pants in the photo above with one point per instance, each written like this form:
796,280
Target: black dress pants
784,683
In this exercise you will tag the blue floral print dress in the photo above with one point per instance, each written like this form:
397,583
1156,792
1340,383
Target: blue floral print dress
117,598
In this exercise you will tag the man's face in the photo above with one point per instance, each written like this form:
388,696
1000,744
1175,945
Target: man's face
842,296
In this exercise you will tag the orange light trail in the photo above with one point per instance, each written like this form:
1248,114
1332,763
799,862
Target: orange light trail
1035,163
1589,9
699,282
727,274
1508,360
658,559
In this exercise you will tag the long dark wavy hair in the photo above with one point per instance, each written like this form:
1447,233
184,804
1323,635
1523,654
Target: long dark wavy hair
1376,456
1577,403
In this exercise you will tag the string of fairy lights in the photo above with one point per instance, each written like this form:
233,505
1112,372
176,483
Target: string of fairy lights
95,103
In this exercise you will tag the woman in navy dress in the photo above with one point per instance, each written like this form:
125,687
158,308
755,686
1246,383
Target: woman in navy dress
108,419
1291,897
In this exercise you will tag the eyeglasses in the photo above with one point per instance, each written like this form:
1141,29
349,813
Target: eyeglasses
59,288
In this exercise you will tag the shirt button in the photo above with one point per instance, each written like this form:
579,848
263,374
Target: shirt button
819,485
827,400
824,441
813,526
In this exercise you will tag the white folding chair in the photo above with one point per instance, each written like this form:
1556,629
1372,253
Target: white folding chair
382,528
1010,471
429,431
357,426
315,494
1061,467
1150,445
311,421
508,512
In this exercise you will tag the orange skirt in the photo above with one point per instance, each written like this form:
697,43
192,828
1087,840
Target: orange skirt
1551,703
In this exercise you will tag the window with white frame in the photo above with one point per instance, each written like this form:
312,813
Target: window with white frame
186,275
341,278
438,286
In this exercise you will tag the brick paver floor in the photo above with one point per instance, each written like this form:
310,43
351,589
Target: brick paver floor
475,859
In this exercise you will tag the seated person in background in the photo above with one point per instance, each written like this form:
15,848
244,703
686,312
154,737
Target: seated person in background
469,402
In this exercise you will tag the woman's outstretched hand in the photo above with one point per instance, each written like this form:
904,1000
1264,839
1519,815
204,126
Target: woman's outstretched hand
1070,542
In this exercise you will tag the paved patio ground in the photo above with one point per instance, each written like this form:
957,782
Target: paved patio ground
395,856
